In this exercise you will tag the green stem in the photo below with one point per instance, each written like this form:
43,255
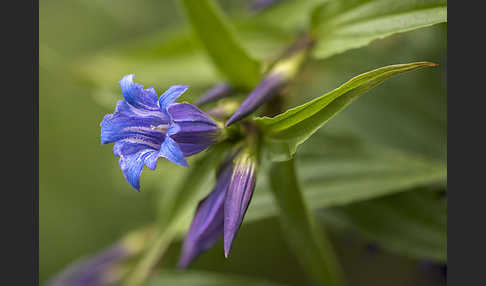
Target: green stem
308,241
158,248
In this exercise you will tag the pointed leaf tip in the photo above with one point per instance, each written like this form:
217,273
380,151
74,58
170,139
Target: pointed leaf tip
286,131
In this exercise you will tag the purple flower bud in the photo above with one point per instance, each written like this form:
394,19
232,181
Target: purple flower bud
265,91
222,211
207,226
215,93
238,196
93,271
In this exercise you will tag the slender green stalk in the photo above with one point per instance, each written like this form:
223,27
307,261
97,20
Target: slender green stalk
175,206
158,248
308,241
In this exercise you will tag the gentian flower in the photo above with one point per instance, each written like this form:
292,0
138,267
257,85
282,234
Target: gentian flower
264,91
221,212
145,127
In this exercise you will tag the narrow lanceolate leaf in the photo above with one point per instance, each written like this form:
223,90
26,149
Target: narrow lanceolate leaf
343,25
217,36
309,243
286,131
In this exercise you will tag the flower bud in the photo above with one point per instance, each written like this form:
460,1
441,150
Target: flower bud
215,93
265,91
238,196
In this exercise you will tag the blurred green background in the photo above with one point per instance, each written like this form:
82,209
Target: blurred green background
85,203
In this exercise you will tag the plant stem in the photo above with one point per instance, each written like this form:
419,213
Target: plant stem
308,241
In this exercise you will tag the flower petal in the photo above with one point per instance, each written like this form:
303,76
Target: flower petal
132,165
207,225
189,113
137,96
195,132
129,122
137,142
171,151
127,147
170,95
238,197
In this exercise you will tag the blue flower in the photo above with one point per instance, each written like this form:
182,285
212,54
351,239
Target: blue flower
145,127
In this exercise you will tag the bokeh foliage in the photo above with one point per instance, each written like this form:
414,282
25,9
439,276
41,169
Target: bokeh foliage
389,142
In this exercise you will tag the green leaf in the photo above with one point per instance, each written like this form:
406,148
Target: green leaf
411,223
217,35
286,131
343,25
330,180
297,14
202,278
309,242
340,172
